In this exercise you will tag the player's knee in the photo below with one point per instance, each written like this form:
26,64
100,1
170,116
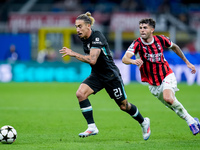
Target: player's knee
80,95
168,99
122,107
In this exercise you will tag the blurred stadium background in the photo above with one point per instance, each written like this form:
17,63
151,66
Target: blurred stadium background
34,30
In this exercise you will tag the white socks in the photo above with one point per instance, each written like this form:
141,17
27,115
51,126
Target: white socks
182,112
92,125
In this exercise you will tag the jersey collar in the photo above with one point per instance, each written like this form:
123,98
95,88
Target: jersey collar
146,42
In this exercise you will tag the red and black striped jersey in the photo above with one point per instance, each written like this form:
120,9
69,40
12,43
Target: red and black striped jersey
154,68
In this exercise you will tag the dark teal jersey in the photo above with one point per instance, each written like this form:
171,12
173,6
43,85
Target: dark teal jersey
105,67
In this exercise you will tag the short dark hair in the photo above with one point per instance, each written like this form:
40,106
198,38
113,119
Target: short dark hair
149,21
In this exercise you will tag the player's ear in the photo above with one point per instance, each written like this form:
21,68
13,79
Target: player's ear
89,25
152,30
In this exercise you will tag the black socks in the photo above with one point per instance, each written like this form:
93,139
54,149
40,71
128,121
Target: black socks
87,112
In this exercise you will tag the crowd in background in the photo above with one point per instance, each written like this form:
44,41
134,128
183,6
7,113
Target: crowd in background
178,8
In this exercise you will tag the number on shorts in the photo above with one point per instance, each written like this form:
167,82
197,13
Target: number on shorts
117,92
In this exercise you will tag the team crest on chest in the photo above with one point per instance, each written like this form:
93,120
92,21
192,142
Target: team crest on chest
159,47
145,47
97,41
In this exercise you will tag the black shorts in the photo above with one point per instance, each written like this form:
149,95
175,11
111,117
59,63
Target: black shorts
115,87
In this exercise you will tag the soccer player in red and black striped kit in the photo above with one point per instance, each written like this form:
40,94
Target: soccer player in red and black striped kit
154,69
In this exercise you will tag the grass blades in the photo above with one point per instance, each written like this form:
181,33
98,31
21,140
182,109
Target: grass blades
47,117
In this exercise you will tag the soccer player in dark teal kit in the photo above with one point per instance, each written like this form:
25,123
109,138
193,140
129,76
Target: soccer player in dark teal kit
104,74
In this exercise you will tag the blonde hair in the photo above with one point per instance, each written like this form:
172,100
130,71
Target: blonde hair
87,18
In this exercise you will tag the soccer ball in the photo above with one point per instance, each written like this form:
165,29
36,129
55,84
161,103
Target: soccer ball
8,134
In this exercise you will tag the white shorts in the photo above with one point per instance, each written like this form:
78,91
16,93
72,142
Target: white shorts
169,82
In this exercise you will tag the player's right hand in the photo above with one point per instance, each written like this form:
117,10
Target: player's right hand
65,51
138,62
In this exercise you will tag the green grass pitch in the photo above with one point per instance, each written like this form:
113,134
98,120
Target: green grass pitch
47,117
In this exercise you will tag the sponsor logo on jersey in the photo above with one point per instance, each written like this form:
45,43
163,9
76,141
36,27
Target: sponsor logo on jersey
153,57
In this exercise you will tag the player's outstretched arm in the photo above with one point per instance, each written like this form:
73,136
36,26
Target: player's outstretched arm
179,52
127,59
91,59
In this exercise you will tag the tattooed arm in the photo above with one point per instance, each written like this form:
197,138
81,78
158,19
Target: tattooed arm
178,51
90,59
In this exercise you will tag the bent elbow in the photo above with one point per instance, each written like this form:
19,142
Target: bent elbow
124,60
93,62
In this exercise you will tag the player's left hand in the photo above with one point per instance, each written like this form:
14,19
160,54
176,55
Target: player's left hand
192,67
